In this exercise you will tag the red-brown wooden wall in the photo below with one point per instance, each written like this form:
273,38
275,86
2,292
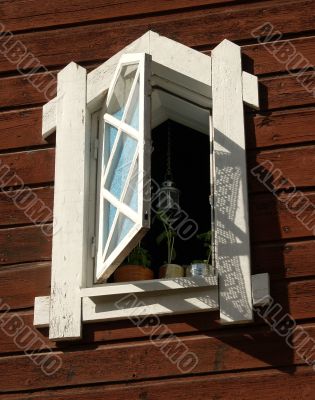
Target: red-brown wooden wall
115,360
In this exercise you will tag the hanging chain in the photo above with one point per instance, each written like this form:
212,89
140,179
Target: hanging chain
168,175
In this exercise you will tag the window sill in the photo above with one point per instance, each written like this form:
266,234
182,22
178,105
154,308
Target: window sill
155,297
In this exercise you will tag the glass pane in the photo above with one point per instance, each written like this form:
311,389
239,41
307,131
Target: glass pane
131,198
121,164
108,218
133,112
122,228
110,136
121,91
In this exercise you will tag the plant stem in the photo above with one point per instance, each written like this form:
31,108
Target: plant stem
172,247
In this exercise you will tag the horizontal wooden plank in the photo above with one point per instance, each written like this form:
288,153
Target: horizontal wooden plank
19,285
34,89
192,28
22,128
280,128
28,14
111,330
26,206
280,56
7,343
274,218
284,260
22,244
296,298
287,383
225,351
289,167
288,91
27,167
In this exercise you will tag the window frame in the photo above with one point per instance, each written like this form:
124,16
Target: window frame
187,62
140,217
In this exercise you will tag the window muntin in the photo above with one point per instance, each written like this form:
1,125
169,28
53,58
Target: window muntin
124,167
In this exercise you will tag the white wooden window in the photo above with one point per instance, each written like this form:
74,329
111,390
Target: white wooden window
124,210
191,86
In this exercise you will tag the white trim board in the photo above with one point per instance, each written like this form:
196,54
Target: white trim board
207,288
156,297
230,208
69,259
189,62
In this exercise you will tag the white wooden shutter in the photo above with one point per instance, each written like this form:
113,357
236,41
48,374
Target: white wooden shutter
124,184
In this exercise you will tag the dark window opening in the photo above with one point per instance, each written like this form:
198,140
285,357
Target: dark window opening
190,164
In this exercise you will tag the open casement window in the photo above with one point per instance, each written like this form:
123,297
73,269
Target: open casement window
109,112
124,209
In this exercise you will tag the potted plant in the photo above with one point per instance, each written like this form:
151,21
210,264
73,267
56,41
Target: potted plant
136,267
168,269
202,267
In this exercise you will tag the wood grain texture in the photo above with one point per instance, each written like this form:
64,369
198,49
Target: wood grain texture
285,259
293,383
7,344
271,57
34,89
27,14
59,47
296,298
225,351
27,168
26,206
22,244
21,129
289,167
280,128
287,91
282,217
20,284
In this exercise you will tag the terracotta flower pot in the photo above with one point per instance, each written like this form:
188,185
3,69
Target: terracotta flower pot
171,271
128,273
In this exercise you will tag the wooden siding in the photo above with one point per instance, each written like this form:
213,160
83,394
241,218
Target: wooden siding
116,360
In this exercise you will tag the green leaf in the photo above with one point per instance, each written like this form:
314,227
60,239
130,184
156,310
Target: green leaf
162,236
